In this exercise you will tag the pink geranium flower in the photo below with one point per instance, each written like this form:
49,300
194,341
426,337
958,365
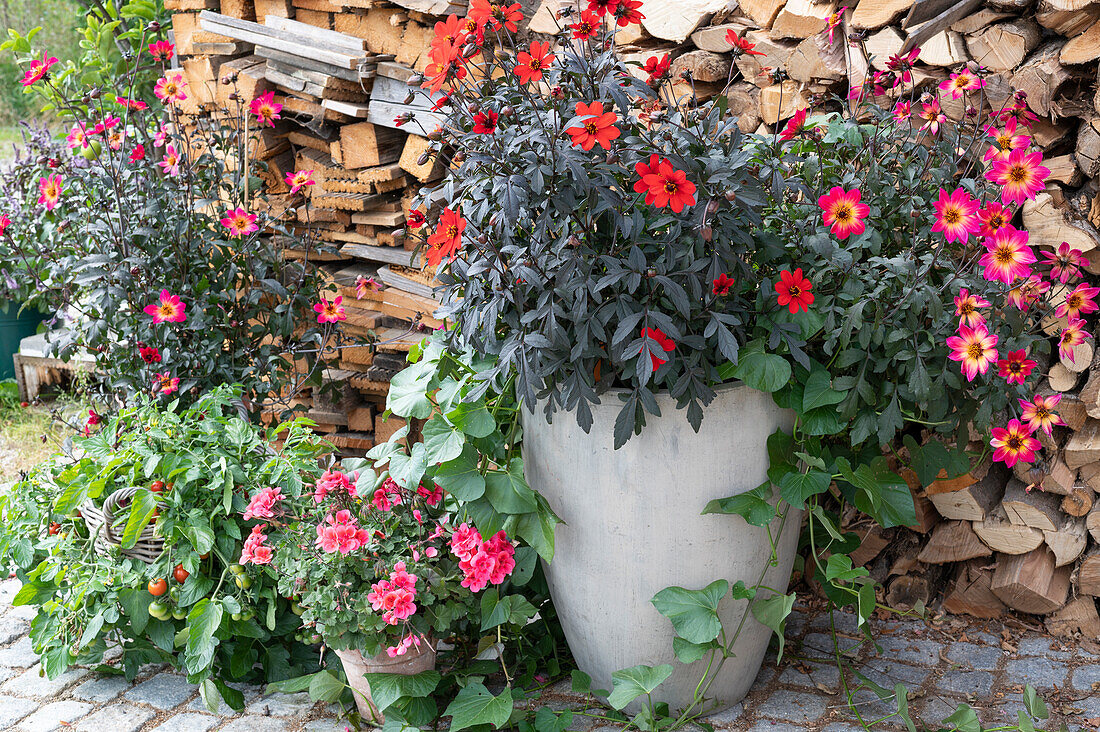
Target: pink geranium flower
254,551
168,310
333,481
262,504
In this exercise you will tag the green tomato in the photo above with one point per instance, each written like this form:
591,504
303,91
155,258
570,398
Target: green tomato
158,610
235,616
243,582
93,150
179,613
236,569
296,608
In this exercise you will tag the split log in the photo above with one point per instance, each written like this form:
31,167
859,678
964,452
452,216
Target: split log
872,540
781,101
1036,509
1068,23
1090,475
978,21
775,56
1060,378
873,14
1088,148
953,541
1084,447
802,18
1046,222
1031,582
1001,535
970,592
703,66
1041,77
1078,616
1068,542
946,48
744,105
1088,574
1072,410
882,45
1063,168
971,502
713,38
1092,522
1059,478
762,12
815,59
1082,49
1079,357
1078,501
927,516
1004,46
364,145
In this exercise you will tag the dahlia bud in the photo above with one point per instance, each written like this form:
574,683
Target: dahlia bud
153,26
731,195
971,111
94,92
482,239
612,158
706,232
423,159
409,98
469,50
914,214
686,74
134,272
234,96
712,207
573,241
974,67
459,157
473,107
435,135
1021,95
557,93
506,111
42,160
233,323
416,79
651,272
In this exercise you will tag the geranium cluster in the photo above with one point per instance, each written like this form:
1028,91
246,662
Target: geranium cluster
341,533
394,597
255,550
482,562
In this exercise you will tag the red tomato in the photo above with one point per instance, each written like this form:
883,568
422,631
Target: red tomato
54,528
157,487
158,586
180,574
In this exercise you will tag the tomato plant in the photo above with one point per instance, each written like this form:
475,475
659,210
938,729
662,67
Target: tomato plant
89,603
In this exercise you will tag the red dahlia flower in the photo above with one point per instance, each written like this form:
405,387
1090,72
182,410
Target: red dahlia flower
587,26
794,291
666,344
664,185
1015,367
722,284
447,239
530,65
599,127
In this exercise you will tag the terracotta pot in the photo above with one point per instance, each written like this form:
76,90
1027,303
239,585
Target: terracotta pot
415,661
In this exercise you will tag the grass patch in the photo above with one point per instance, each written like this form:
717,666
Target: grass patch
22,429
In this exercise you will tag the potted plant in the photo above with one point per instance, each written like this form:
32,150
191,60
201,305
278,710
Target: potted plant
377,570
131,543
772,309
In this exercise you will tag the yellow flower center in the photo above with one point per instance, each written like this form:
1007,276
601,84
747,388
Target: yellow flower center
951,215
975,351
591,128
842,212
1015,442
1004,255
1017,174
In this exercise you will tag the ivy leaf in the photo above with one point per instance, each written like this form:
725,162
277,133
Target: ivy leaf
754,506
408,395
442,442
764,371
963,719
460,476
773,612
694,613
386,689
407,470
508,492
141,512
326,687
631,683
879,492
819,391
1034,704
473,419
474,705
796,487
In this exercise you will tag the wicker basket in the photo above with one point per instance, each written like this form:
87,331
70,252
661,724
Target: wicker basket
101,527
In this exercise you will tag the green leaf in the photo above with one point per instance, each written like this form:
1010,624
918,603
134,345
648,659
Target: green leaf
819,391
290,686
326,687
74,495
142,506
773,612
460,476
441,440
473,419
386,689
474,705
136,601
537,529
687,652
408,394
901,696
880,492
764,371
754,506
407,470
631,683
694,613
795,488
1034,704
198,532
508,492
202,622
964,719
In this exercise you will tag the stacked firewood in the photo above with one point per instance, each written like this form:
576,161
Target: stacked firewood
341,71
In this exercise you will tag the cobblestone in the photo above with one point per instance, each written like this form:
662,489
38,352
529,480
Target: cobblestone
163,691
13,709
1042,673
980,658
35,684
54,716
188,722
253,723
101,689
117,718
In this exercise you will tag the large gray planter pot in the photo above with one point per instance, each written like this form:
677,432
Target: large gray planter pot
633,526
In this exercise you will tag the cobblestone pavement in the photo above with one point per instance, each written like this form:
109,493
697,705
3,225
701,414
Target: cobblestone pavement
943,662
